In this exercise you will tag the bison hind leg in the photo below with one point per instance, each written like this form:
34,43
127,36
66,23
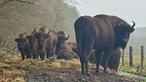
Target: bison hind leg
106,56
98,57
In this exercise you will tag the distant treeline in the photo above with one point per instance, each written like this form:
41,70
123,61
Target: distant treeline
137,39
18,16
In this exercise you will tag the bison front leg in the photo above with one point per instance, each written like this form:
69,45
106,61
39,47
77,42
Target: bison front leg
48,53
22,55
28,55
42,54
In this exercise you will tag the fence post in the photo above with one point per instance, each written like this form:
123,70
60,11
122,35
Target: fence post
123,64
130,56
142,57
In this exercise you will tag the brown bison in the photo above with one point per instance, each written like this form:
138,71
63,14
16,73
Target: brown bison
23,46
64,50
47,40
104,33
61,38
33,45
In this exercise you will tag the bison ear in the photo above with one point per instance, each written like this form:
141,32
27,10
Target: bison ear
17,40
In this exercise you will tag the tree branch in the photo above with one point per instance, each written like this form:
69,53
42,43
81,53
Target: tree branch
21,1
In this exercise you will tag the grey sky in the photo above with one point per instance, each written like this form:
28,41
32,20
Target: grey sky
129,10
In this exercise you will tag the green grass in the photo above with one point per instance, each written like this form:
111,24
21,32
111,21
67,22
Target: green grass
136,68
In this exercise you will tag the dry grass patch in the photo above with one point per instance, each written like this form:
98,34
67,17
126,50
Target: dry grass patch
13,72
18,79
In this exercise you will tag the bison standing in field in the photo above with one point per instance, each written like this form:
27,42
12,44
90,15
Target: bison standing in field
64,50
23,46
33,45
104,33
47,39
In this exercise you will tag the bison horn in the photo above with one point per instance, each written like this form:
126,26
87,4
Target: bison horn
49,31
133,24
34,31
67,37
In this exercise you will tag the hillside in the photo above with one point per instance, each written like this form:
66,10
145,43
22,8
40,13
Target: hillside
17,16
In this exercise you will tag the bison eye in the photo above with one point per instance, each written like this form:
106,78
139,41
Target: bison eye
45,36
24,40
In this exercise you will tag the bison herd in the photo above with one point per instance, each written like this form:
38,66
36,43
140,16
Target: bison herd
99,39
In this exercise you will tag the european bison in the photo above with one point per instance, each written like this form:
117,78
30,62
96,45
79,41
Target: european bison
23,46
33,45
64,51
104,33
61,38
47,39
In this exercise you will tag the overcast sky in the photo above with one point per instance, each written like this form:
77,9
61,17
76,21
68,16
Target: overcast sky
129,10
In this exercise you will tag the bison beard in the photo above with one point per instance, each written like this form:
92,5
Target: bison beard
103,33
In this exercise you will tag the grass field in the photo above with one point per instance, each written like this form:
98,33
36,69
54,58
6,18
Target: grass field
136,68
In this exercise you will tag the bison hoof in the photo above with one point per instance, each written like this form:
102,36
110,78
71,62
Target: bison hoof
105,71
89,74
83,73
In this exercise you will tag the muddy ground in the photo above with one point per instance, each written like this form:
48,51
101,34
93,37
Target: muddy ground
13,69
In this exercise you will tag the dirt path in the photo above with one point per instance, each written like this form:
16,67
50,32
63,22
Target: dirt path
69,75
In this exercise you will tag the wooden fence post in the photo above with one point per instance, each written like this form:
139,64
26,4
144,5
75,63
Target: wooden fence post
130,56
142,57
123,64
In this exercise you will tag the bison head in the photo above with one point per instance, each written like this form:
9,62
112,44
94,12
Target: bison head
21,43
41,38
61,37
122,33
61,40
32,39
